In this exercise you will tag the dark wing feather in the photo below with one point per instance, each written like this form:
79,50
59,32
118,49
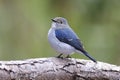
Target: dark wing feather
68,36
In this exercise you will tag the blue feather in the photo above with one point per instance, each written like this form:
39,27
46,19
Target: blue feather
67,36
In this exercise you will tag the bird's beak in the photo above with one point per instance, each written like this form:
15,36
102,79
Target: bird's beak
53,20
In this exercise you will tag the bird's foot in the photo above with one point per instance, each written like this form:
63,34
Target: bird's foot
60,56
68,56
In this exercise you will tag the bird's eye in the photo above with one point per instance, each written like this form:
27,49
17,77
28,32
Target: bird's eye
60,22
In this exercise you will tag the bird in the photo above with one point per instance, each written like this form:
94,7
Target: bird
64,40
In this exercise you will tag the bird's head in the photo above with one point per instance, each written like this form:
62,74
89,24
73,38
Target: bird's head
59,22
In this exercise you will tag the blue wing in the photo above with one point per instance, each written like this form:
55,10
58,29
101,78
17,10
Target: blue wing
67,36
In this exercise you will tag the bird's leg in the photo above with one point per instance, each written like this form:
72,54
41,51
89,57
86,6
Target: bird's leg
59,56
68,56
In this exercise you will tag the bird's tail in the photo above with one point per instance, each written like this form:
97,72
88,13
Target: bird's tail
86,54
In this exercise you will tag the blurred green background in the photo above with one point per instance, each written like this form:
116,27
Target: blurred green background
24,25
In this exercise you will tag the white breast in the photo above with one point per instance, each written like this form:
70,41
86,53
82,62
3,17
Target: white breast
60,47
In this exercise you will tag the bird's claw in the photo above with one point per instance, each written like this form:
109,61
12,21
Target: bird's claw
68,56
60,56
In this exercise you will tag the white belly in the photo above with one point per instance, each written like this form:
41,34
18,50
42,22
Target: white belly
60,47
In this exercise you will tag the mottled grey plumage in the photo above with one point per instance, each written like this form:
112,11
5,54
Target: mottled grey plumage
63,39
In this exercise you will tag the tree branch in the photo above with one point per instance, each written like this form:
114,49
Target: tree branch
58,69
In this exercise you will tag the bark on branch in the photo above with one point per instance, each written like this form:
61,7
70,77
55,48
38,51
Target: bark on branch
58,69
